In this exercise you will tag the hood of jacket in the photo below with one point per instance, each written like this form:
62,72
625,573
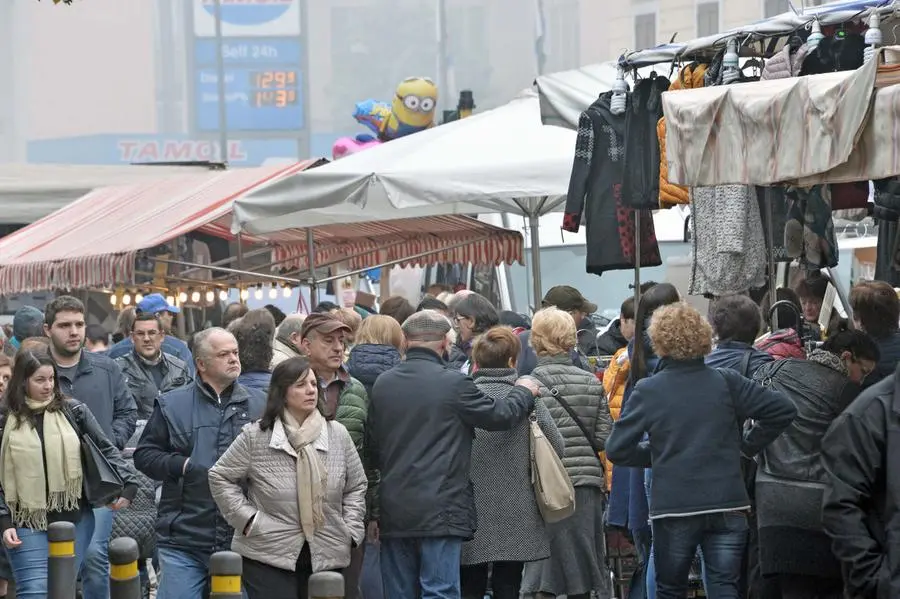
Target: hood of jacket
368,360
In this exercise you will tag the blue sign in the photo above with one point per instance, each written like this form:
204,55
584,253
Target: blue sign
248,12
142,148
263,85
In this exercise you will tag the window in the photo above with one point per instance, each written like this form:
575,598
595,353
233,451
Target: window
563,39
774,8
645,31
707,19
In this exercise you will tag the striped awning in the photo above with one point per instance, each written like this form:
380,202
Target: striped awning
94,241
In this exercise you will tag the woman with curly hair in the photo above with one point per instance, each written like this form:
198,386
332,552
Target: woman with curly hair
690,414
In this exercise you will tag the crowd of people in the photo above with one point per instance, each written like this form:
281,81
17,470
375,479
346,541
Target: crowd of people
397,447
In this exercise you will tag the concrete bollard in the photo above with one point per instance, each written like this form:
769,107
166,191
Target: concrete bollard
225,569
124,579
326,585
61,561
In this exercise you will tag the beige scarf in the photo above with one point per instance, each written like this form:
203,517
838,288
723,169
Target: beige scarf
22,474
311,473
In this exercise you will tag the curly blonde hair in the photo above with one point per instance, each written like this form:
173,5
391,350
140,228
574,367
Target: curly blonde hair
553,332
679,332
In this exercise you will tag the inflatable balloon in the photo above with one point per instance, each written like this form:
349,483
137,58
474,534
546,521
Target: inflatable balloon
412,110
346,146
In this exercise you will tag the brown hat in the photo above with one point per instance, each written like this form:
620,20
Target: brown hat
568,299
322,323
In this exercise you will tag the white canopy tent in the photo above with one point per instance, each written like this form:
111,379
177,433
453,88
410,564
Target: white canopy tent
499,161
565,95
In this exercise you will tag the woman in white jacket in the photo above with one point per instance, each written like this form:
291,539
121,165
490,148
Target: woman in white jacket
305,501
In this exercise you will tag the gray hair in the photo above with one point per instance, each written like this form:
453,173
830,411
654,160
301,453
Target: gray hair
202,345
290,325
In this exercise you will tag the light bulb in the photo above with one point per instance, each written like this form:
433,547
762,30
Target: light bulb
210,295
195,296
182,297
170,300
113,300
273,292
286,292
258,293
126,299
223,295
245,293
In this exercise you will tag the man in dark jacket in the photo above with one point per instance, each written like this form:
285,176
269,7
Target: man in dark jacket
190,428
569,300
97,381
861,509
422,417
148,370
157,304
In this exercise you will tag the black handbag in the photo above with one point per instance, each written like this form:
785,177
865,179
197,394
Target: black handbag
102,483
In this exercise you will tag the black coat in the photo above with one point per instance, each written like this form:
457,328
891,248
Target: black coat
861,509
611,341
422,420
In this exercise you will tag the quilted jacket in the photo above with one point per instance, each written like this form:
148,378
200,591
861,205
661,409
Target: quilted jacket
584,393
266,464
614,380
690,77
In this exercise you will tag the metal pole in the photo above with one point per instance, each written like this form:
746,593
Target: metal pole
220,85
639,335
326,585
534,229
770,240
311,263
61,561
235,271
124,580
443,54
240,263
225,569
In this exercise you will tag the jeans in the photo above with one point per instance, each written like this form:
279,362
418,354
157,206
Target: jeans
95,570
427,567
721,536
29,560
183,574
371,584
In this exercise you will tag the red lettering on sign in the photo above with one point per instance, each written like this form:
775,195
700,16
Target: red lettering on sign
174,150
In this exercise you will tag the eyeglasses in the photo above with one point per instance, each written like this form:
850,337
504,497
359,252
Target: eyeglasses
145,334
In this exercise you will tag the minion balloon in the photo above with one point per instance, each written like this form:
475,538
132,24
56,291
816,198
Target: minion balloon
412,109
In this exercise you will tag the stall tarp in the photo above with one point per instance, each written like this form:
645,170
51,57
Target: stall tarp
32,191
93,241
766,132
486,163
566,94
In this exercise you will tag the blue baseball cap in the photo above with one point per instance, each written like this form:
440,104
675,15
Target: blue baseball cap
156,303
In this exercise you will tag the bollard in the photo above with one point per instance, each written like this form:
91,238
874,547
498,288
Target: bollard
124,579
61,560
225,575
326,585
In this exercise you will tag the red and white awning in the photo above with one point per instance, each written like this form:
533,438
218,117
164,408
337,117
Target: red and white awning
93,242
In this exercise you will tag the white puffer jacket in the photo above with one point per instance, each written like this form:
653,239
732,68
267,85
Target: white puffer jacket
266,462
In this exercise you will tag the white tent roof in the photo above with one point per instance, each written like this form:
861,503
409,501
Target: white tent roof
501,160
29,192
566,94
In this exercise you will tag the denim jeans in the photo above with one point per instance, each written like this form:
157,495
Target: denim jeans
426,564
371,585
29,560
183,574
95,570
721,536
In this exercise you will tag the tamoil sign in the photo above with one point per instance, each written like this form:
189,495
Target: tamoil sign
248,18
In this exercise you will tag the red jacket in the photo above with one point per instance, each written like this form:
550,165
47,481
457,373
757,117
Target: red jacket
782,344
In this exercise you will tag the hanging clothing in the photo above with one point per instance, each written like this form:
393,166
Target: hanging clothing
728,249
640,184
809,231
774,199
596,181
690,77
786,63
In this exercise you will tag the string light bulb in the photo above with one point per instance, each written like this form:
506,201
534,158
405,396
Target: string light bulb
286,291
618,101
731,63
273,292
170,300
223,295
126,299
258,293
873,36
210,295
245,293
195,296
138,298
113,299
182,297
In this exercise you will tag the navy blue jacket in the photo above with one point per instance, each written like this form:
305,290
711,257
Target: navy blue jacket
170,345
100,385
368,360
890,356
693,415
731,354
193,422
256,380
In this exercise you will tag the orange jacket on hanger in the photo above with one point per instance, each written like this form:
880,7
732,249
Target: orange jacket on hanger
690,77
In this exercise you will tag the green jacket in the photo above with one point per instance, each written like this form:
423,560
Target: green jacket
352,412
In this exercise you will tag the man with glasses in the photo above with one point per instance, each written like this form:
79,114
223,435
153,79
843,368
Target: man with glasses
156,304
148,370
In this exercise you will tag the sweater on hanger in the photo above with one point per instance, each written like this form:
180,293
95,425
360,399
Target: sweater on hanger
728,247
595,194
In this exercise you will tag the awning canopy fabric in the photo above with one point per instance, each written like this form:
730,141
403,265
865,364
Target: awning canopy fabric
29,192
94,241
494,161
565,95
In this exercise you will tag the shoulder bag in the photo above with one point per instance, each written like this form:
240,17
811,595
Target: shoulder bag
102,483
553,488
